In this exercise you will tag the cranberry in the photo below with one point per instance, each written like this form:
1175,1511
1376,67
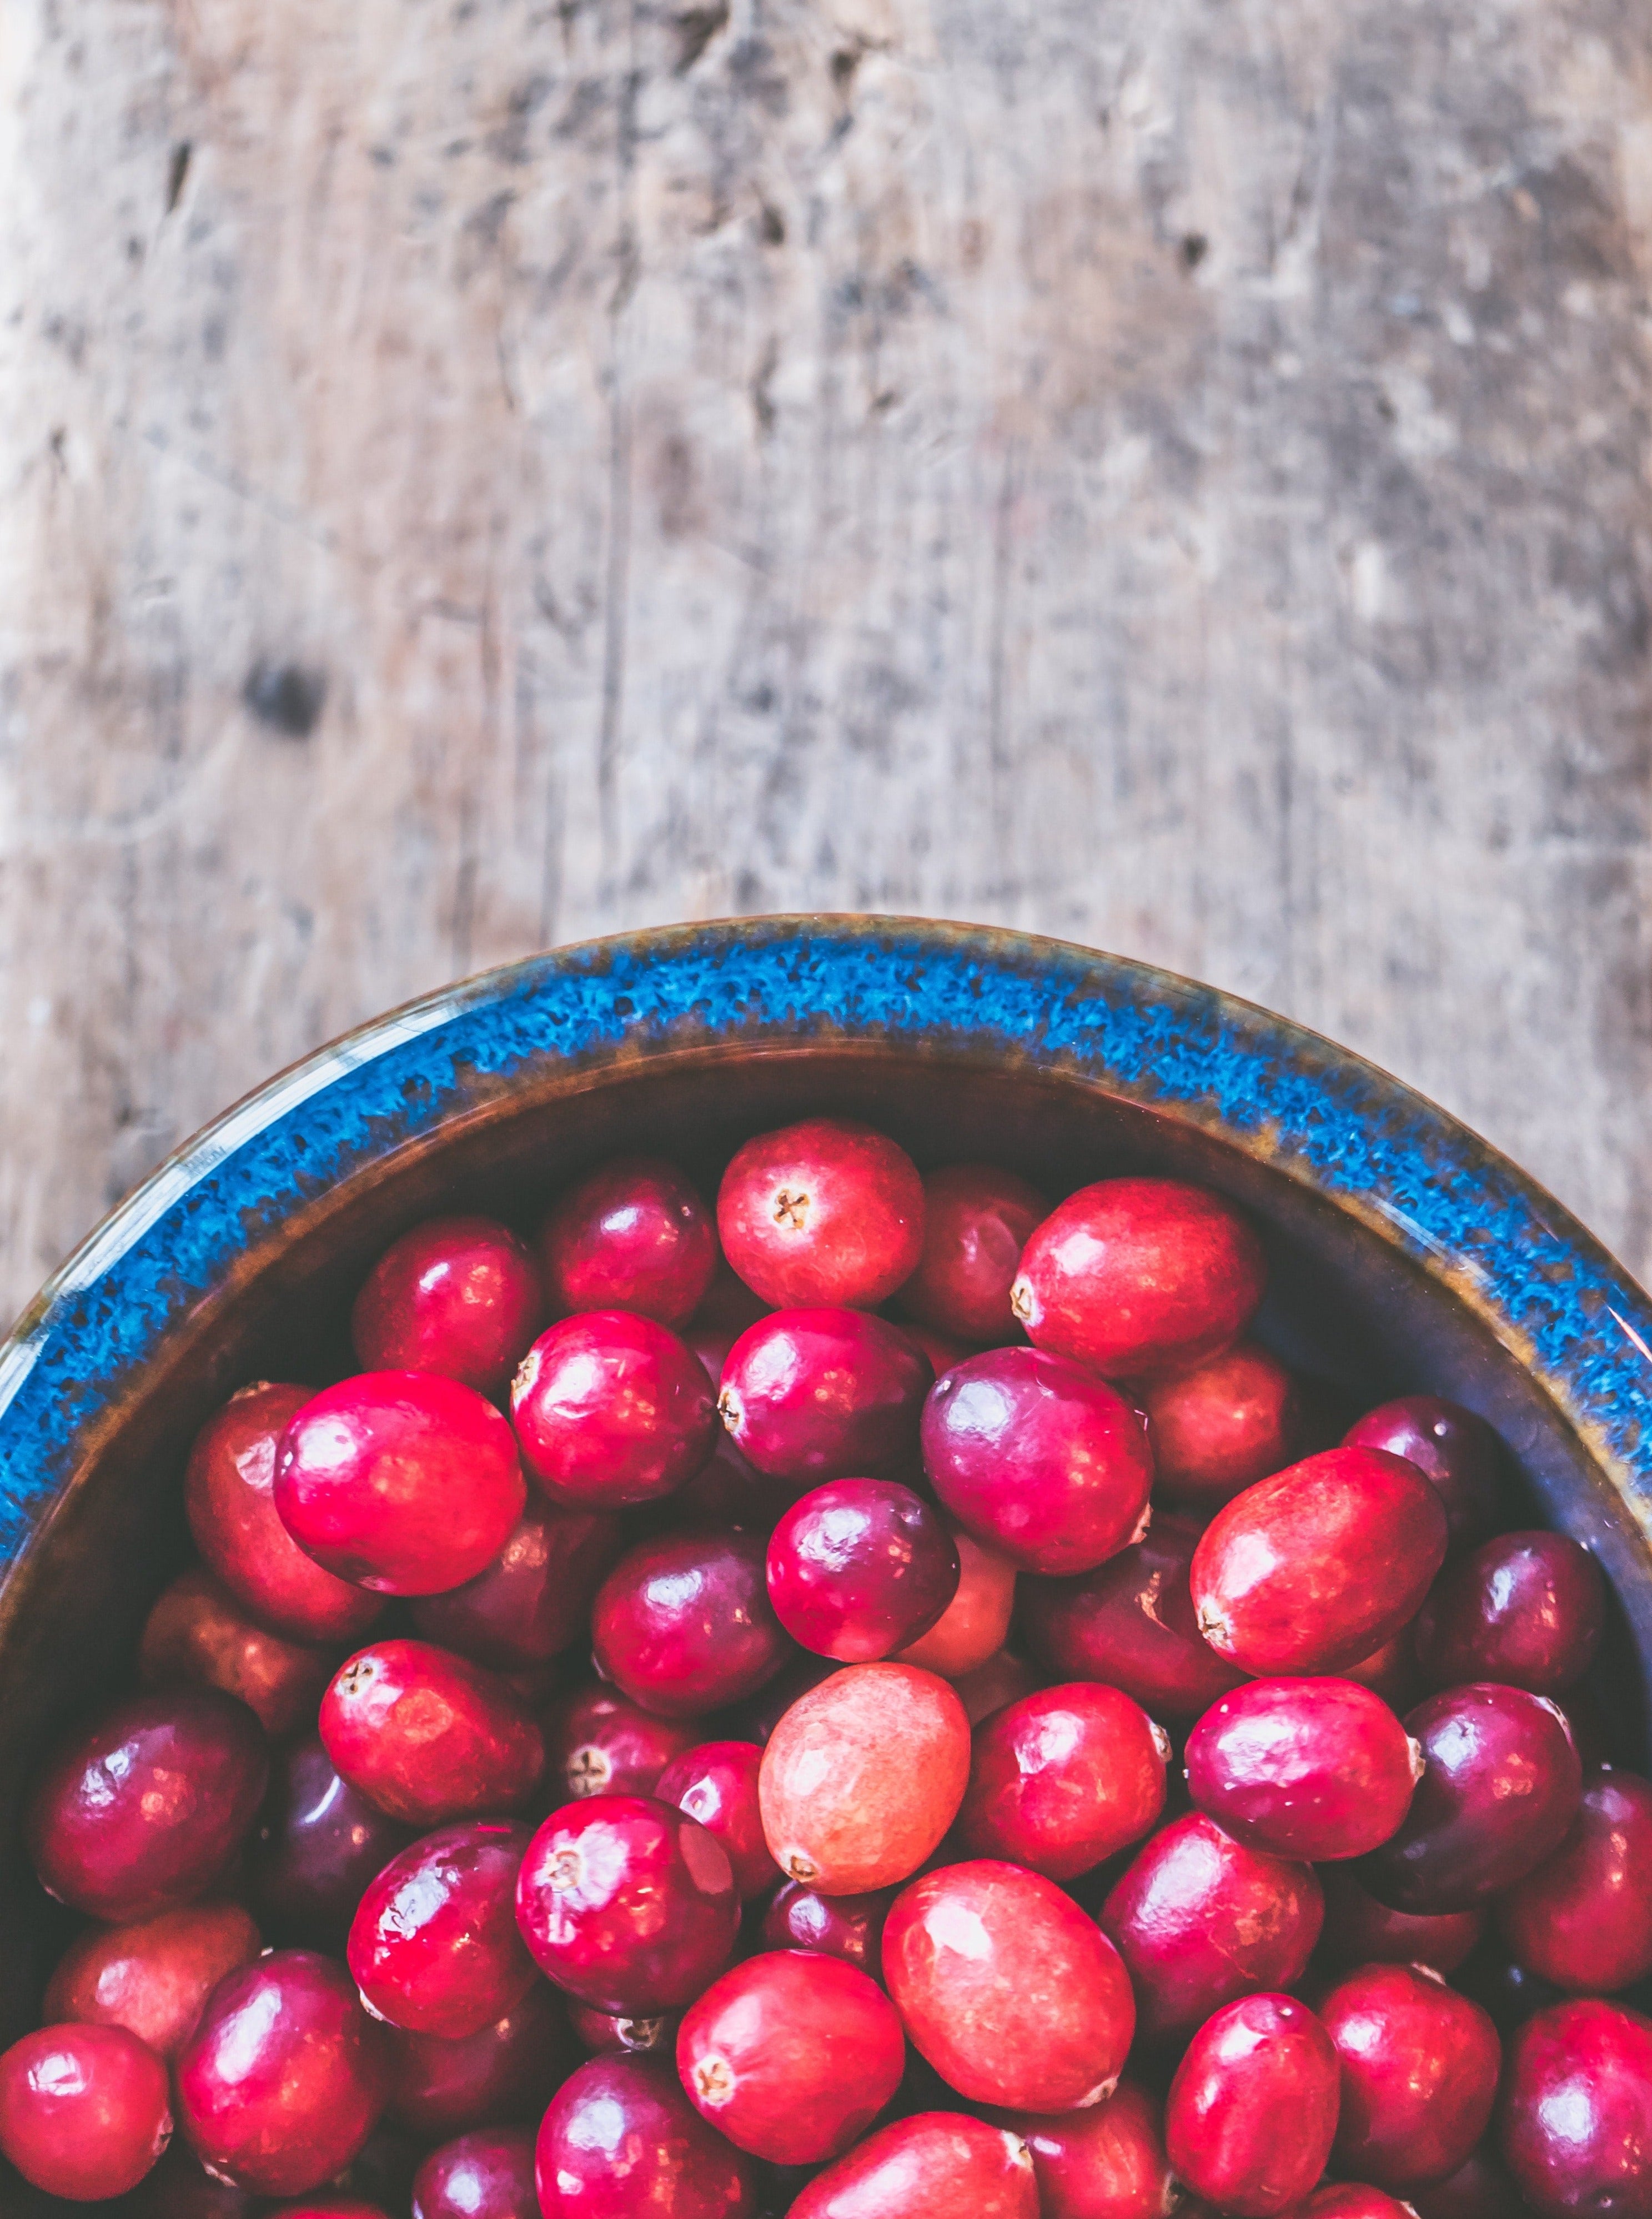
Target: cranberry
863,1777
976,1220
627,1902
1105,2162
823,1211
1038,1459
487,2175
756,1718
1576,2118
1499,1793
1132,1623
683,1625
1003,1679
1479,2189
142,1809
403,1482
933,2162
1458,1452
1134,1276
1391,1671
177,2188
1252,2109
455,1295
1313,1769
229,1494
83,2110
727,1308
1419,2067
606,2032
1528,1609
632,1235
716,1783
1222,1427
1507,1992
976,1622
812,1394
197,1635
976,1956
1360,1930
534,1599
726,1490
1313,1568
284,2078
1199,1919
1063,1778
612,1409
318,1842
434,1946
846,1926
942,1351
1350,2200
428,1735
151,1977
622,2141
791,2055
1584,1918
598,1743
508,2072
859,1568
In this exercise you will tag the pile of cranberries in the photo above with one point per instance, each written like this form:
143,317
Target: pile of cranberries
877,1702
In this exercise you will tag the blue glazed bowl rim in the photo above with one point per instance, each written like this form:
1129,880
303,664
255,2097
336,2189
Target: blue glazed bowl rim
1324,1117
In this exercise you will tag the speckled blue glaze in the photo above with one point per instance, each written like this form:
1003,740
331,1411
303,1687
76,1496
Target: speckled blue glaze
1314,1112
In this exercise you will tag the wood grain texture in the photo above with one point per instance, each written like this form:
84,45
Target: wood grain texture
1179,476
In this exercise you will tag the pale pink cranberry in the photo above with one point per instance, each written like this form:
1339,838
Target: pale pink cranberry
153,1976
858,1568
621,2140
1063,1779
863,1777
1360,1930
1419,2067
610,2033
975,1624
319,1841
809,1396
142,1809
1003,1679
1311,1769
846,1926
683,1625
1583,1919
1575,2124
976,1220
632,1235
487,2175
1457,1451
508,2072
1106,2162
1134,1276
198,1635
1252,2110
1222,1427
1199,1919
599,1742
791,2055
429,1737
84,2109
405,1483
285,2077
534,1599
612,1409
1527,1609
974,1955
918,2167
823,1211
1313,1568
717,1783
228,1495
434,1947
1038,1459
460,1296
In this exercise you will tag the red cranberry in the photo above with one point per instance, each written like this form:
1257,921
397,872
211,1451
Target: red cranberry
318,1842
1499,1793
976,1622
1038,1459
859,1568
622,2140
1313,1568
974,1955
627,1902
976,1220
197,1635
611,1409
1221,1427
456,1295
285,2077
1108,2162
1360,1930
683,1625
1003,1679
1479,2189
1528,1609
716,1783
632,1235
1252,2109
1134,1276
403,1482
152,1977
1583,1919
434,1946
863,1777
1576,2118
508,2072
791,2055
428,1735
823,1211
142,1809
1458,1452
605,2033
487,2175
933,2162
229,1494
534,1599
814,1395
598,1742
1312,1769
1063,1778
1419,2067
846,1926
1199,1919
84,2109
1130,1622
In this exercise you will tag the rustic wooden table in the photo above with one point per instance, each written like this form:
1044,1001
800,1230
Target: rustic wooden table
476,474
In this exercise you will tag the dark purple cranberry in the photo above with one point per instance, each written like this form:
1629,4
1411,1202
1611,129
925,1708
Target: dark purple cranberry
1450,1446
318,1842
1527,1609
846,1926
534,1598
859,1568
508,2072
683,1625
486,2175
814,1395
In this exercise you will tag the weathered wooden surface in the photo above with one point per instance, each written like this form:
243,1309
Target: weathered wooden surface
1179,476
